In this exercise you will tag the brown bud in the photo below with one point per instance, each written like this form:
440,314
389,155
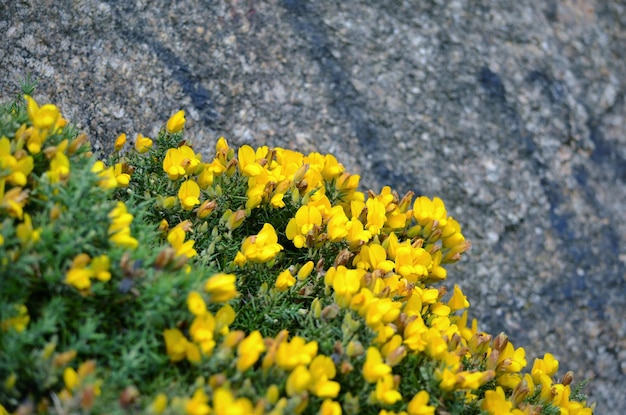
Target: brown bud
179,262
396,381
454,342
88,398
345,367
396,356
319,267
568,378
405,202
129,396
62,359
417,243
164,257
479,343
492,360
217,380
330,311
342,258
500,342
441,291
520,392
338,348
76,143
50,151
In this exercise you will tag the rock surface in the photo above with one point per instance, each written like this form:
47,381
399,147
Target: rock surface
514,113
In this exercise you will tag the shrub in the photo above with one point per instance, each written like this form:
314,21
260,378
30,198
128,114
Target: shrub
257,281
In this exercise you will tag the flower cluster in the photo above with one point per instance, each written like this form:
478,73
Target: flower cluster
260,281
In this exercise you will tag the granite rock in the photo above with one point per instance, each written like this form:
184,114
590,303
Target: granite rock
512,112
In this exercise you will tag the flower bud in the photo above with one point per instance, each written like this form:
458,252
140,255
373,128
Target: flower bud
119,142
500,342
479,343
330,312
520,392
396,356
235,219
568,378
354,349
316,308
206,208
76,144
176,122
129,396
164,257
345,367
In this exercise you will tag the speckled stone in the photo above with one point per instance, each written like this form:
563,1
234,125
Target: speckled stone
512,112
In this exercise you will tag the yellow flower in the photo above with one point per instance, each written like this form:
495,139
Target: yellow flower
512,360
18,322
357,235
142,144
247,162
19,168
198,404
374,368
249,350
345,282
221,287
189,194
306,219
285,280
496,403
196,304
546,366
44,117
181,161
70,378
322,370
473,380
330,407
100,267
159,404
119,229
176,122
223,318
298,380
202,332
175,344
296,352
59,168
106,175
176,238
385,392
426,211
225,404
373,257
119,142
25,232
79,274
262,247
122,179
14,200
419,405
376,216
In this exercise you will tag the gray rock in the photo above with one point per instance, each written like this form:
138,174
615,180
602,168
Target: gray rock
512,112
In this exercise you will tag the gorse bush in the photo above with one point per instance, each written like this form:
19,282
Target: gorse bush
258,281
